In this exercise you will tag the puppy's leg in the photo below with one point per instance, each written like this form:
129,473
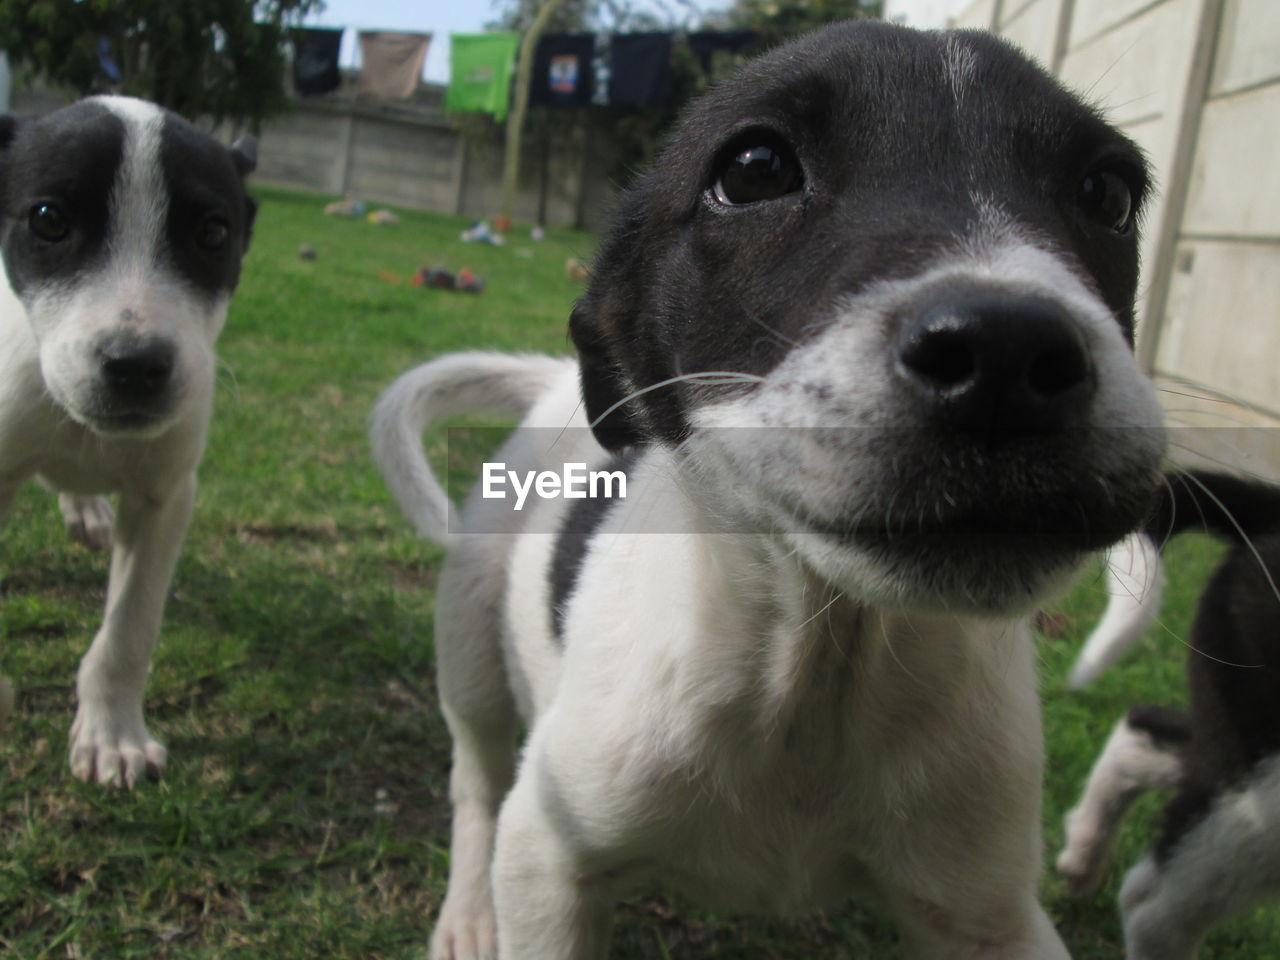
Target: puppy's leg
1135,583
483,759
1143,753
545,907
88,519
109,740
476,699
1226,863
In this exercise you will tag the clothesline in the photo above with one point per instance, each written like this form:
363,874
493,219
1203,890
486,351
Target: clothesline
570,69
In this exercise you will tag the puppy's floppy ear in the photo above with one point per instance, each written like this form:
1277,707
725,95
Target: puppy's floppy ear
604,385
250,215
244,153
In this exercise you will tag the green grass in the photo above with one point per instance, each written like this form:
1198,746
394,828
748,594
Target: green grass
304,813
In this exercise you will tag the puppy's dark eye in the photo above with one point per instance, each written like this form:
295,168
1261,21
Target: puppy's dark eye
756,172
1106,198
213,234
48,223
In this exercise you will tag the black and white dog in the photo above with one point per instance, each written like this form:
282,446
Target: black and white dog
122,228
1219,849
860,342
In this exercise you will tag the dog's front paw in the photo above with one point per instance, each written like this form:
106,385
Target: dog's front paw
112,747
88,519
465,932
1083,860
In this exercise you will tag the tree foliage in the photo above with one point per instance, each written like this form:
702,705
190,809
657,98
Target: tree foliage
589,16
204,59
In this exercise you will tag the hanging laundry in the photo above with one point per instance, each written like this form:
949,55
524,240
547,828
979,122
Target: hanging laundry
706,42
600,71
480,71
315,61
639,74
107,63
391,63
562,70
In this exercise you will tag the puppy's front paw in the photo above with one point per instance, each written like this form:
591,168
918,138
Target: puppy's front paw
112,747
88,519
1082,862
465,932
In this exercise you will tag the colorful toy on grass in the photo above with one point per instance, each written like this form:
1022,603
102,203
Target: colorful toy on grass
437,278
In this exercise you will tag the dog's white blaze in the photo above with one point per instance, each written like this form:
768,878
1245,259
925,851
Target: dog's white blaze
961,65
139,198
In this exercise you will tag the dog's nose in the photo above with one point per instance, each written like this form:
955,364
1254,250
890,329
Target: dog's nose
997,365
137,369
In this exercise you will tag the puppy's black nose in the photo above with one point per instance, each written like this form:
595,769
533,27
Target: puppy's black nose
996,365
137,369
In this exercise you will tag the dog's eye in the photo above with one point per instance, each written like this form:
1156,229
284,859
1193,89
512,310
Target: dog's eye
759,172
1105,198
213,234
48,223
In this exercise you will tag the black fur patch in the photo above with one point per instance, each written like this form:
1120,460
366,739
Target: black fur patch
1216,503
1233,667
204,186
1170,728
580,524
69,160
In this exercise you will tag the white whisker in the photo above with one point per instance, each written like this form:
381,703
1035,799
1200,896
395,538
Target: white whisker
1245,538
705,378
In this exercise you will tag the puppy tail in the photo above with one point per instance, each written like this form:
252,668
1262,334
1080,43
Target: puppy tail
502,385
1135,584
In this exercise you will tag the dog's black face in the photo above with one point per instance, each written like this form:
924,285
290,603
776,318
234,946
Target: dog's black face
922,253
123,228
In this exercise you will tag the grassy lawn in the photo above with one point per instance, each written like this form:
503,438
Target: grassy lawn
304,813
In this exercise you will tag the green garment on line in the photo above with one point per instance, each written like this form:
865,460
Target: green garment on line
481,66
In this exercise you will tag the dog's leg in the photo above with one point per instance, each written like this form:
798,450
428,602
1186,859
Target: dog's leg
545,907
1135,583
109,739
1142,754
88,519
475,696
483,762
1224,864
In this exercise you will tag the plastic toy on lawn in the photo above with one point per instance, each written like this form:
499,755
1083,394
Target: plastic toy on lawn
437,278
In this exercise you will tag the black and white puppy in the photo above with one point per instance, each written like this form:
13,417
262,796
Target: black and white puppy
861,341
1219,849
123,228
